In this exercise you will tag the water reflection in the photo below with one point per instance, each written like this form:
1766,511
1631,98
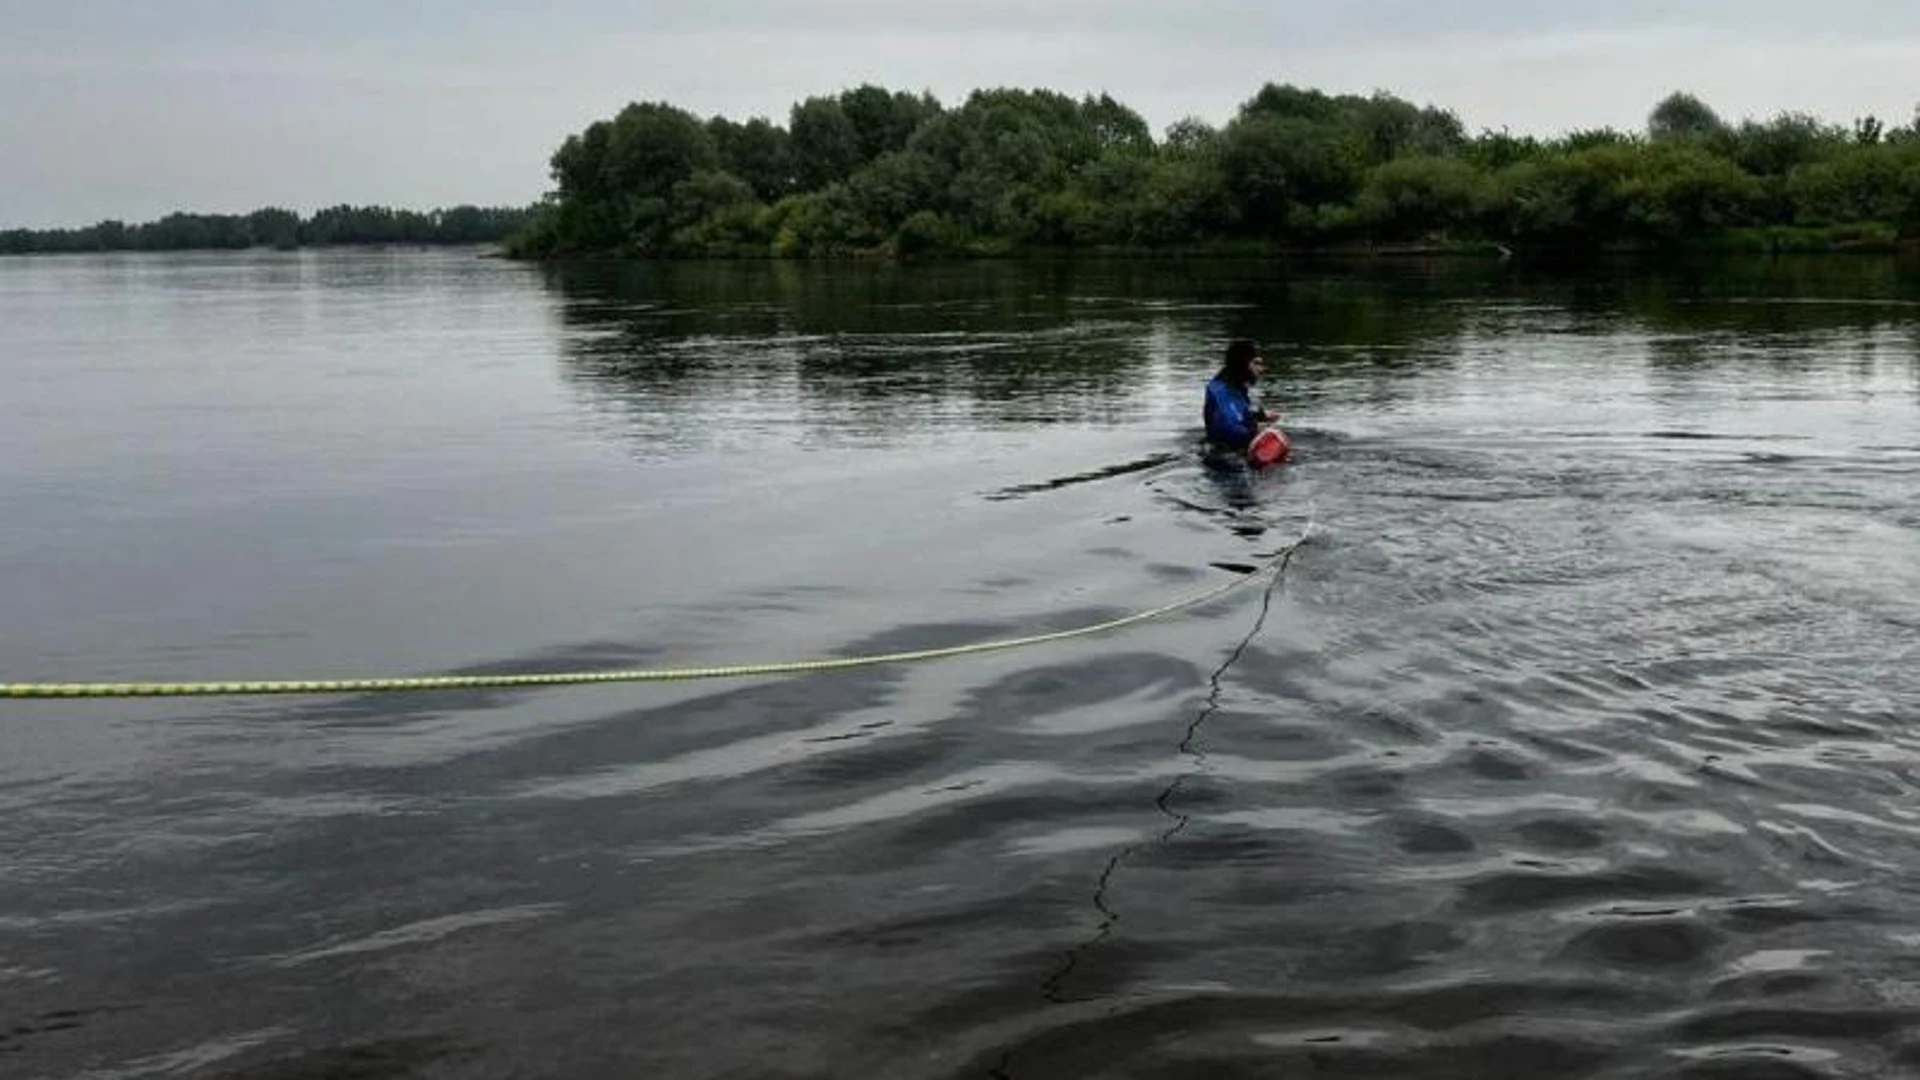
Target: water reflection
885,350
891,349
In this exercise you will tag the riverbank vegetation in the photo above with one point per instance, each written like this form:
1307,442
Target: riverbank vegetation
876,172
275,228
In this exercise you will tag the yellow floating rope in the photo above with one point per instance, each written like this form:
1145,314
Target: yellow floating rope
579,678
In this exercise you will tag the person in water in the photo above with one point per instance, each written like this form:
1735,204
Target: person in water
1232,419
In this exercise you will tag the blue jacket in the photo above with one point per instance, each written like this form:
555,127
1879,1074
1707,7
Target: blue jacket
1231,418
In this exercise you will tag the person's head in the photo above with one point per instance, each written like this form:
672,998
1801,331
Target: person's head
1243,364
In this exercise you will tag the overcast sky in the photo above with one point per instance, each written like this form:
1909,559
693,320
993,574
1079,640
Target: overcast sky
133,108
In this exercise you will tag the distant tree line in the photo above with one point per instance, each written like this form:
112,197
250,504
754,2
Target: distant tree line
276,228
873,171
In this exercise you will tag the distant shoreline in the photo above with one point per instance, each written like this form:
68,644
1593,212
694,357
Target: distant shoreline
275,228
874,174
488,249
1467,252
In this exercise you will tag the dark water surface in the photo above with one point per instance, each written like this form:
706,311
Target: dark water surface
1576,739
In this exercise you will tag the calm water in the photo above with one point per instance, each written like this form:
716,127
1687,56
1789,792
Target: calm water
1577,738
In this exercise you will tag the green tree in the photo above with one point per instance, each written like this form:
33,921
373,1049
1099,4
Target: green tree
825,144
1414,196
1784,143
1680,115
274,227
1189,136
895,186
1590,138
1679,191
715,213
579,166
1279,167
1004,150
1390,127
1877,183
654,146
1184,196
1115,127
928,233
870,168
884,120
1569,199
757,152
823,222
1496,150
1290,102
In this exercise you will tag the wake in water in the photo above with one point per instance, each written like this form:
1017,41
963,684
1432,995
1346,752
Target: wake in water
1054,989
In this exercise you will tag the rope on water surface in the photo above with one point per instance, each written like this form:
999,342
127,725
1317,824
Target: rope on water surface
259,687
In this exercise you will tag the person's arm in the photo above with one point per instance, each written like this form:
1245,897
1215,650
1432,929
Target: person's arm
1231,413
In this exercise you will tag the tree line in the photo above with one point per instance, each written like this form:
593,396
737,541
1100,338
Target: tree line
277,228
874,171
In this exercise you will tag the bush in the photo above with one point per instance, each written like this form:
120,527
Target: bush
1412,197
927,233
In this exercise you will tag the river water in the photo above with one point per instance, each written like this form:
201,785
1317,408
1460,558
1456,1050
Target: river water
1574,738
